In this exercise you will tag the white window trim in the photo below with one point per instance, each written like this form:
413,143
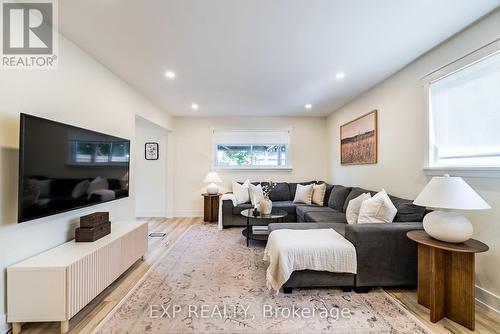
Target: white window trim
287,168
253,169
459,64
480,172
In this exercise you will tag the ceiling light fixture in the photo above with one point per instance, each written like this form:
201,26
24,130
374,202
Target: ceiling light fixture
340,76
308,106
170,74
194,106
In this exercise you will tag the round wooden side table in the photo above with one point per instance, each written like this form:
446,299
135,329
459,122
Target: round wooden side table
446,277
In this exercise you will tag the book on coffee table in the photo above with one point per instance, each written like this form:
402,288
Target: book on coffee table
261,230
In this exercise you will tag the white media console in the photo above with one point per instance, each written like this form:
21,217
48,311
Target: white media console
56,284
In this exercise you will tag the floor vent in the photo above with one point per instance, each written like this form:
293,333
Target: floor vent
160,235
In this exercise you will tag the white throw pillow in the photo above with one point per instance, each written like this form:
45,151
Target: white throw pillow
318,196
97,184
241,192
378,209
303,194
353,207
80,189
256,193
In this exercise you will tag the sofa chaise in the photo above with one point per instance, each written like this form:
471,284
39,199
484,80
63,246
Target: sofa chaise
385,256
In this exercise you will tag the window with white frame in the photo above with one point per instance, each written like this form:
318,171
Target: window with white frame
251,148
464,115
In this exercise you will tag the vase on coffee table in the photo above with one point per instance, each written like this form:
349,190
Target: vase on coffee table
266,206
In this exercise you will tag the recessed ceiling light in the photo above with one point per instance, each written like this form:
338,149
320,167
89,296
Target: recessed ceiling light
308,106
340,76
194,106
170,74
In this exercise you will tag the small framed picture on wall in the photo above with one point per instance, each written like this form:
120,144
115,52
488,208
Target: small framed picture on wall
152,151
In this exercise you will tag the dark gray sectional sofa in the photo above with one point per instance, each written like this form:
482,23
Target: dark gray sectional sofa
335,203
386,257
282,196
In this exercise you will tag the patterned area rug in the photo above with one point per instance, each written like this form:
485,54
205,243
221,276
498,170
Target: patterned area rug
210,282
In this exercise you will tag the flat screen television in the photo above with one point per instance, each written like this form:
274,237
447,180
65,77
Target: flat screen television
64,167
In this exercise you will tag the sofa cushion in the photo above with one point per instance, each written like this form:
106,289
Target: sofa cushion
355,192
407,211
338,227
293,187
337,197
329,188
281,192
240,207
329,216
303,209
287,206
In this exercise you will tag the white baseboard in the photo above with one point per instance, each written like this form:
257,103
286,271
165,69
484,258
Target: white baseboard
169,214
488,299
147,214
188,213
4,326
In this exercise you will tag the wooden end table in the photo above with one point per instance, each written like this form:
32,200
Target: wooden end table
211,207
446,277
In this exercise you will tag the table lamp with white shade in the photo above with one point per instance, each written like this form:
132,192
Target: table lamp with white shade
212,178
449,193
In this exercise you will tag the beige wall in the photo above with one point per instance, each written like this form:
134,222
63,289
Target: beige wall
80,92
151,175
193,155
402,137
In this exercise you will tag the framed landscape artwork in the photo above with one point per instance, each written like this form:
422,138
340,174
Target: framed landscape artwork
358,140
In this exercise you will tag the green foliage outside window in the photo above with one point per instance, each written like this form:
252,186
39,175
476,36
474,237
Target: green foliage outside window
238,157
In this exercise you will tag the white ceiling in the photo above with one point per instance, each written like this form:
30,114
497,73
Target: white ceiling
260,57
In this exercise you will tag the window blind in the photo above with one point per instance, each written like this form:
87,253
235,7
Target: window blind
251,137
465,115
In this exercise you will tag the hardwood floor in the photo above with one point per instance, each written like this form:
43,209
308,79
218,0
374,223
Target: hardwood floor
87,320
487,321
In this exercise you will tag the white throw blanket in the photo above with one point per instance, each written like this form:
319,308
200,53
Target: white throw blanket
321,249
224,198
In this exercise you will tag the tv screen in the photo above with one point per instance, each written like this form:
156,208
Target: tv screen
63,167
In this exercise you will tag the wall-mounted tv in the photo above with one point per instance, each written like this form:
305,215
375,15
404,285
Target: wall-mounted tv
64,167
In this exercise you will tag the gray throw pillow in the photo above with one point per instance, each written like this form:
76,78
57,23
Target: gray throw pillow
281,192
407,211
337,197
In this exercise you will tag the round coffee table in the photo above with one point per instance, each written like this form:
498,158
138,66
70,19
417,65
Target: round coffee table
260,220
